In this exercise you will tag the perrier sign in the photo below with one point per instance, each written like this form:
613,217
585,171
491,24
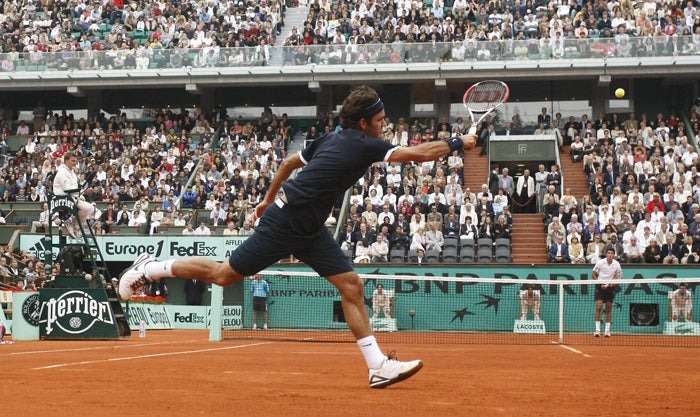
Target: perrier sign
76,314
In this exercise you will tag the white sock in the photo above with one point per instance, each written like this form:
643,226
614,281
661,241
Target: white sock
607,327
159,269
597,326
370,350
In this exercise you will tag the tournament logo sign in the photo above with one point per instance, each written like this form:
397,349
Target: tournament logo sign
75,312
31,309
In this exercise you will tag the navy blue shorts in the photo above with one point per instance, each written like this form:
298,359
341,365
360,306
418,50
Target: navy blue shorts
276,238
259,303
605,294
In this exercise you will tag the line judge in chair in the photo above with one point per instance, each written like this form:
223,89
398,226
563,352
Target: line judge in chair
530,302
66,182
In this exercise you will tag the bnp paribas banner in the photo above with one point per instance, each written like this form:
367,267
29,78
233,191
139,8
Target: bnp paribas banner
435,300
126,248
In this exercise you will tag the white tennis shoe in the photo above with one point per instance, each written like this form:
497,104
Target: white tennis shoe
134,277
393,371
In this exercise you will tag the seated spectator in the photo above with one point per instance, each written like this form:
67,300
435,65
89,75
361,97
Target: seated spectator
502,229
468,230
399,239
689,251
451,226
594,249
434,239
156,219
202,230
362,252
576,251
418,241
652,253
577,149
559,252
556,232
487,229
347,238
617,247
379,250
188,230
634,253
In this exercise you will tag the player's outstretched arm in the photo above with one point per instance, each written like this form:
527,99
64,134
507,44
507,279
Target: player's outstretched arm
429,151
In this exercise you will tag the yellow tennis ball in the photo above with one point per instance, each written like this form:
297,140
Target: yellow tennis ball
620,92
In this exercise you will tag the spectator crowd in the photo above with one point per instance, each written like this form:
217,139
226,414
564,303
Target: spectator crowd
152,34
644,191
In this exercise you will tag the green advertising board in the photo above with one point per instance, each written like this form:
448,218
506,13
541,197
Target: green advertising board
445,305
82,313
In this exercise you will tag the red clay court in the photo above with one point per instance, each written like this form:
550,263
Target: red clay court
181,373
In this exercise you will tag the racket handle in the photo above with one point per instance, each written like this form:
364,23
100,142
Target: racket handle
472,130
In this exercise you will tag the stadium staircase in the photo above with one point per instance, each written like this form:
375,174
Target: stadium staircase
529,238
573,175
476,170
293,16
529,245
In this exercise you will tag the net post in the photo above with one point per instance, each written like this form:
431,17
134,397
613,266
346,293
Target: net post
561,313
217,301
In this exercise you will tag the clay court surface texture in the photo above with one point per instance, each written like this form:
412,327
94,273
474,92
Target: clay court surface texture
181,373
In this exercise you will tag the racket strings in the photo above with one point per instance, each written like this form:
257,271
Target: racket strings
486,96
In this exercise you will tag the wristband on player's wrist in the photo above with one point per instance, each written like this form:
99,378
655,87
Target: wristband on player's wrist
455,143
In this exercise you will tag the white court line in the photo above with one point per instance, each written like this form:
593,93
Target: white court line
585,355
155,355
34,352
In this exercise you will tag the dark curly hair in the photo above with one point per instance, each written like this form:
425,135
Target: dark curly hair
355,106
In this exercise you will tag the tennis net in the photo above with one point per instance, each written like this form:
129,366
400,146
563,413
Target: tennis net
440,310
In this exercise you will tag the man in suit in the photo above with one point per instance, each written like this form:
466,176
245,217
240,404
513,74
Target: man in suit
694,228
194,289
365,233
505,181
544,117
609,179
399,239
617,247
451,226
689,251
682,234
493,180
434,238
421,256
347,239
559,252
525,194
591,169
400,221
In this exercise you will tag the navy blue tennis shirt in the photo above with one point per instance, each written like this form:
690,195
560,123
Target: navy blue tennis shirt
333,163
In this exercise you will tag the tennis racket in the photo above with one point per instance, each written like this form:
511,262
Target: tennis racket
482,98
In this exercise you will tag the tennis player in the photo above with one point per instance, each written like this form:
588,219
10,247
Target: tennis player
292,217
681,303
605,269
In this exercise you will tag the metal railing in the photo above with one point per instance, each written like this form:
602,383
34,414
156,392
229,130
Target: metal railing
354,54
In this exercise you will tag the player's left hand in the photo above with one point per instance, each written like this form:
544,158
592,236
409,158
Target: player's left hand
259,210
